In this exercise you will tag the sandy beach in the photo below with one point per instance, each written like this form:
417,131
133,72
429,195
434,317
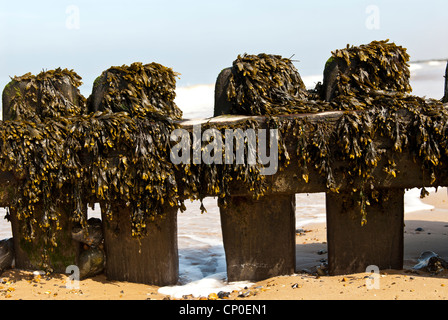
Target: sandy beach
311,248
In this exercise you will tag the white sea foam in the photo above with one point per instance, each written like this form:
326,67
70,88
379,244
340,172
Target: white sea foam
412,202
415,66
437,63
204,287
311,81
5,226
196,101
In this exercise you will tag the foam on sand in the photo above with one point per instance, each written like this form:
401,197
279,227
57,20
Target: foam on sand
412,202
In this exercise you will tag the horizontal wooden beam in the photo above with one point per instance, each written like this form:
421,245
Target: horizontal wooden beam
288,181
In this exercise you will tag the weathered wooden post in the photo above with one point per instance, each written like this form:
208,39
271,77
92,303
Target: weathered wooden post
32,95
31,98
445,97
258,235
28,255
222,104
153,258
353,246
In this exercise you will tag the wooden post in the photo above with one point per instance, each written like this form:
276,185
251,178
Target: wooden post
222,105
259,237
28,254
153,260
352,247
445,97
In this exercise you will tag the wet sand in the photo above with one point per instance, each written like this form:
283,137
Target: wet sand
311,247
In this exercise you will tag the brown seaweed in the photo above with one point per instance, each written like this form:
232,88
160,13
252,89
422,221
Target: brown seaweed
268,85
49,94
138,89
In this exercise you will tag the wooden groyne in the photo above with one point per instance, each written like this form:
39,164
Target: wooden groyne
399,148
259,235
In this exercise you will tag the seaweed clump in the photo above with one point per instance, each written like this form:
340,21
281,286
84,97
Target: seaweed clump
219,177
379,65
351,151
372,81
34,153
140,90
50,94
268,85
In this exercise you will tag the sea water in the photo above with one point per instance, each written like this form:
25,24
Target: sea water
202,266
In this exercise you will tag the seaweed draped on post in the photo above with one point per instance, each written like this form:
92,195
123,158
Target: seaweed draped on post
373,80
127,141
200,179
268,85
357,71
50,94
34,154
140,90
36,110
124,148
127,162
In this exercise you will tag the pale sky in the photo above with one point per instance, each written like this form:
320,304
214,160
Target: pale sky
200,38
